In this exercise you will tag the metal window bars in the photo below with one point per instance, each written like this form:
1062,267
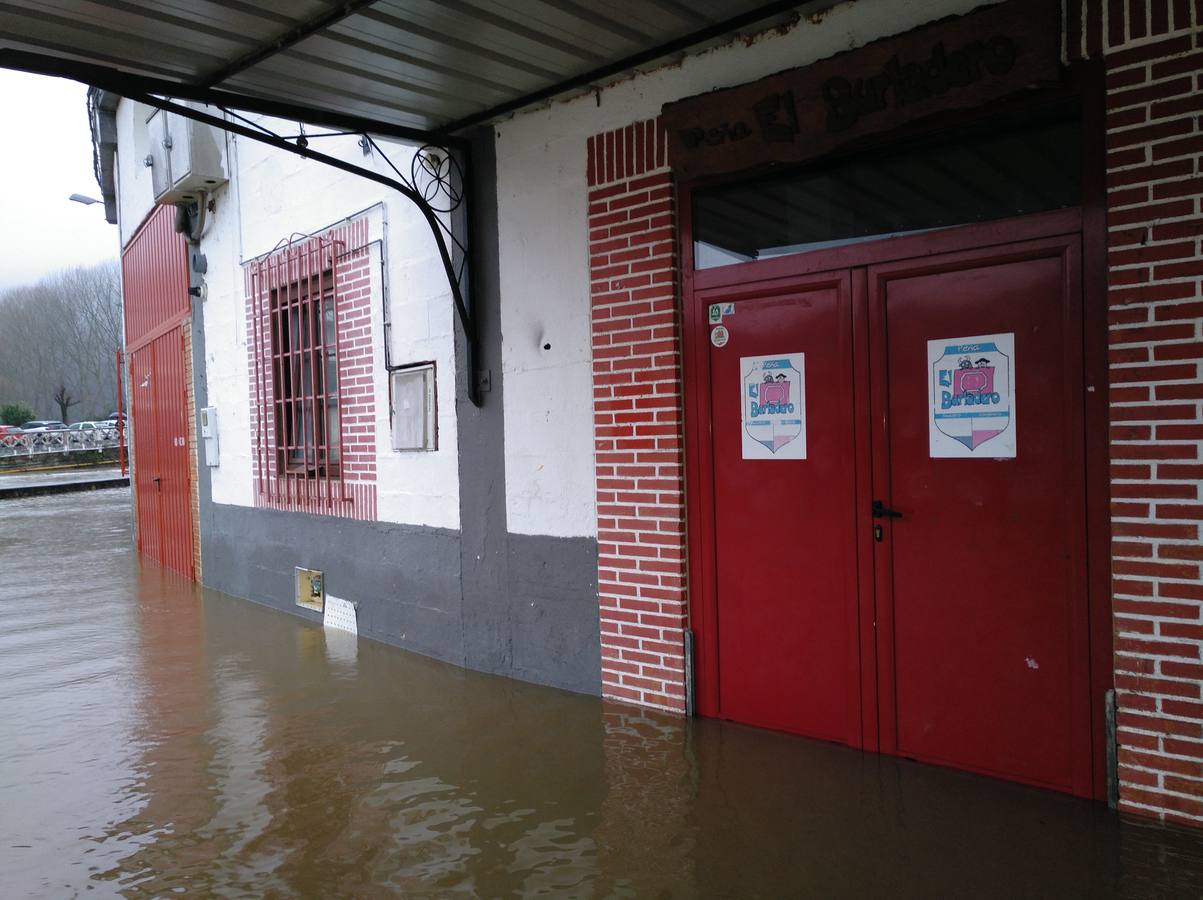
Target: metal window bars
298,356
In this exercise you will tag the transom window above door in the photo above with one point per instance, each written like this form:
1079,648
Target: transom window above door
979,178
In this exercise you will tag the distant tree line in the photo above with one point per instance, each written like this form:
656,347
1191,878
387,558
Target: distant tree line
58,340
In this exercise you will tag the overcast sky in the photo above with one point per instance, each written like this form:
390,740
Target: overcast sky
45,156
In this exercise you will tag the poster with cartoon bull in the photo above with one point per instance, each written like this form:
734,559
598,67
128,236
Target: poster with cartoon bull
971,392
773,408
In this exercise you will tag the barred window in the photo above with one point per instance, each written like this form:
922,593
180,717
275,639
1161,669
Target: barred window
306,384
298,398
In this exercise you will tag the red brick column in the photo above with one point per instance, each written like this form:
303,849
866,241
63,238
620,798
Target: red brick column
637,417
1153,61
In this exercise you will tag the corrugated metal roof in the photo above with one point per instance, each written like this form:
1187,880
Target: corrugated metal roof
425,65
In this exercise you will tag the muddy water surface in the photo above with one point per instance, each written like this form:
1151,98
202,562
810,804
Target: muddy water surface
157,739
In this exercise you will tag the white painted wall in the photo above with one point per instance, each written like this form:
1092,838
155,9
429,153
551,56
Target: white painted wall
542,199
273,194
543,241
134,194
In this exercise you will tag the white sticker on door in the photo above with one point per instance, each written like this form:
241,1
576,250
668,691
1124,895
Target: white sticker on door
971,396
773,408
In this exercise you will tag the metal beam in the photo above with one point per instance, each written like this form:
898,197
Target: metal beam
130,84
283,41
414,196
601,73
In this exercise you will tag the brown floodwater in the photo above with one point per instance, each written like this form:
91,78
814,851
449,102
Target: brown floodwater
158,740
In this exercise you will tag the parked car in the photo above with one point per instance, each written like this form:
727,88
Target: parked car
81,433
9,430
46,433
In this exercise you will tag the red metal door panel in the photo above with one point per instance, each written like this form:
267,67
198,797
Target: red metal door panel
981,600
785,565
146,450
161,454
154,274
172,428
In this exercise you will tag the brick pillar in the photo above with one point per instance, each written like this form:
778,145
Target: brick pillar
1153,60
637,417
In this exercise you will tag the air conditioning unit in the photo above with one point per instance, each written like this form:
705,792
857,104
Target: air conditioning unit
186,158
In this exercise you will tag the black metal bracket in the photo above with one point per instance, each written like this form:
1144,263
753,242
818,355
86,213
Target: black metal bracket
436,184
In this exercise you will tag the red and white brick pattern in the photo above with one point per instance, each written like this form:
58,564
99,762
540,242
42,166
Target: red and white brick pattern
1153,53
637,417
354,493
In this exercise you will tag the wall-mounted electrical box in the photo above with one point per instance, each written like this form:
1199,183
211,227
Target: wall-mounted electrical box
208,429
187,158
311,589
414,408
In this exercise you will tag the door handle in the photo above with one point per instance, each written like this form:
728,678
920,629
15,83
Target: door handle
881,512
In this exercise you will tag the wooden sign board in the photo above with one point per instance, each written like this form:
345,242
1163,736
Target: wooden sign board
807,112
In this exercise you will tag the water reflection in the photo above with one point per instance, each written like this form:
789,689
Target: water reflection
160,739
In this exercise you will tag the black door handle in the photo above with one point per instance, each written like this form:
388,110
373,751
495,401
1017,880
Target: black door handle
881,512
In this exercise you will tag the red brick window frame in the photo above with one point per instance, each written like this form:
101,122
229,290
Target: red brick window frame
310,360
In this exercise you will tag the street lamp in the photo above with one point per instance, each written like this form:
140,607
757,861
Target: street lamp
84,199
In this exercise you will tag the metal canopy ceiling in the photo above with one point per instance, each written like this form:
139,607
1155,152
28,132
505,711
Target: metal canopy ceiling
410,68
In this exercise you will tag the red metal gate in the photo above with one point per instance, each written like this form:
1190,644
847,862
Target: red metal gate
158,401
155,283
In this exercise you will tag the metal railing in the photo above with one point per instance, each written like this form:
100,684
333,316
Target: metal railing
59,441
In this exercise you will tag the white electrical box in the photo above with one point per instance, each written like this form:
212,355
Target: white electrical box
187,158
208,428
414,408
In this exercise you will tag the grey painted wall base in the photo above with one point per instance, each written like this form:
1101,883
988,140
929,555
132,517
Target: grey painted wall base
517,605
539,625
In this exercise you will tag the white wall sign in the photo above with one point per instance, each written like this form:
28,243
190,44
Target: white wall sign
971,397
773,407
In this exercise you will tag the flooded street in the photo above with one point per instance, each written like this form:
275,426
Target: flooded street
156,739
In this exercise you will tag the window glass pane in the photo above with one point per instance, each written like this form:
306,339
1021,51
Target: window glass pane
974,179
332,428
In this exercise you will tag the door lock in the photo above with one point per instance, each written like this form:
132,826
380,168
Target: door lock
881,512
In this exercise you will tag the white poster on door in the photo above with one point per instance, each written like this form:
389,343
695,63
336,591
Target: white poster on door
773,408
971,397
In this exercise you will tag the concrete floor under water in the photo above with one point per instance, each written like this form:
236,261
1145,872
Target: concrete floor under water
156,738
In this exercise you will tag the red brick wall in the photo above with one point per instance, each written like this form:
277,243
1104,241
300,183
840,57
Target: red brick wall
356,383
1154,64
637,417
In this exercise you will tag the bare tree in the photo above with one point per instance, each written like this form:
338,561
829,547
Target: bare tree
62,333
64,401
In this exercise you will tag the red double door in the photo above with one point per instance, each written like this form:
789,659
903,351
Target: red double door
160,434
896,559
